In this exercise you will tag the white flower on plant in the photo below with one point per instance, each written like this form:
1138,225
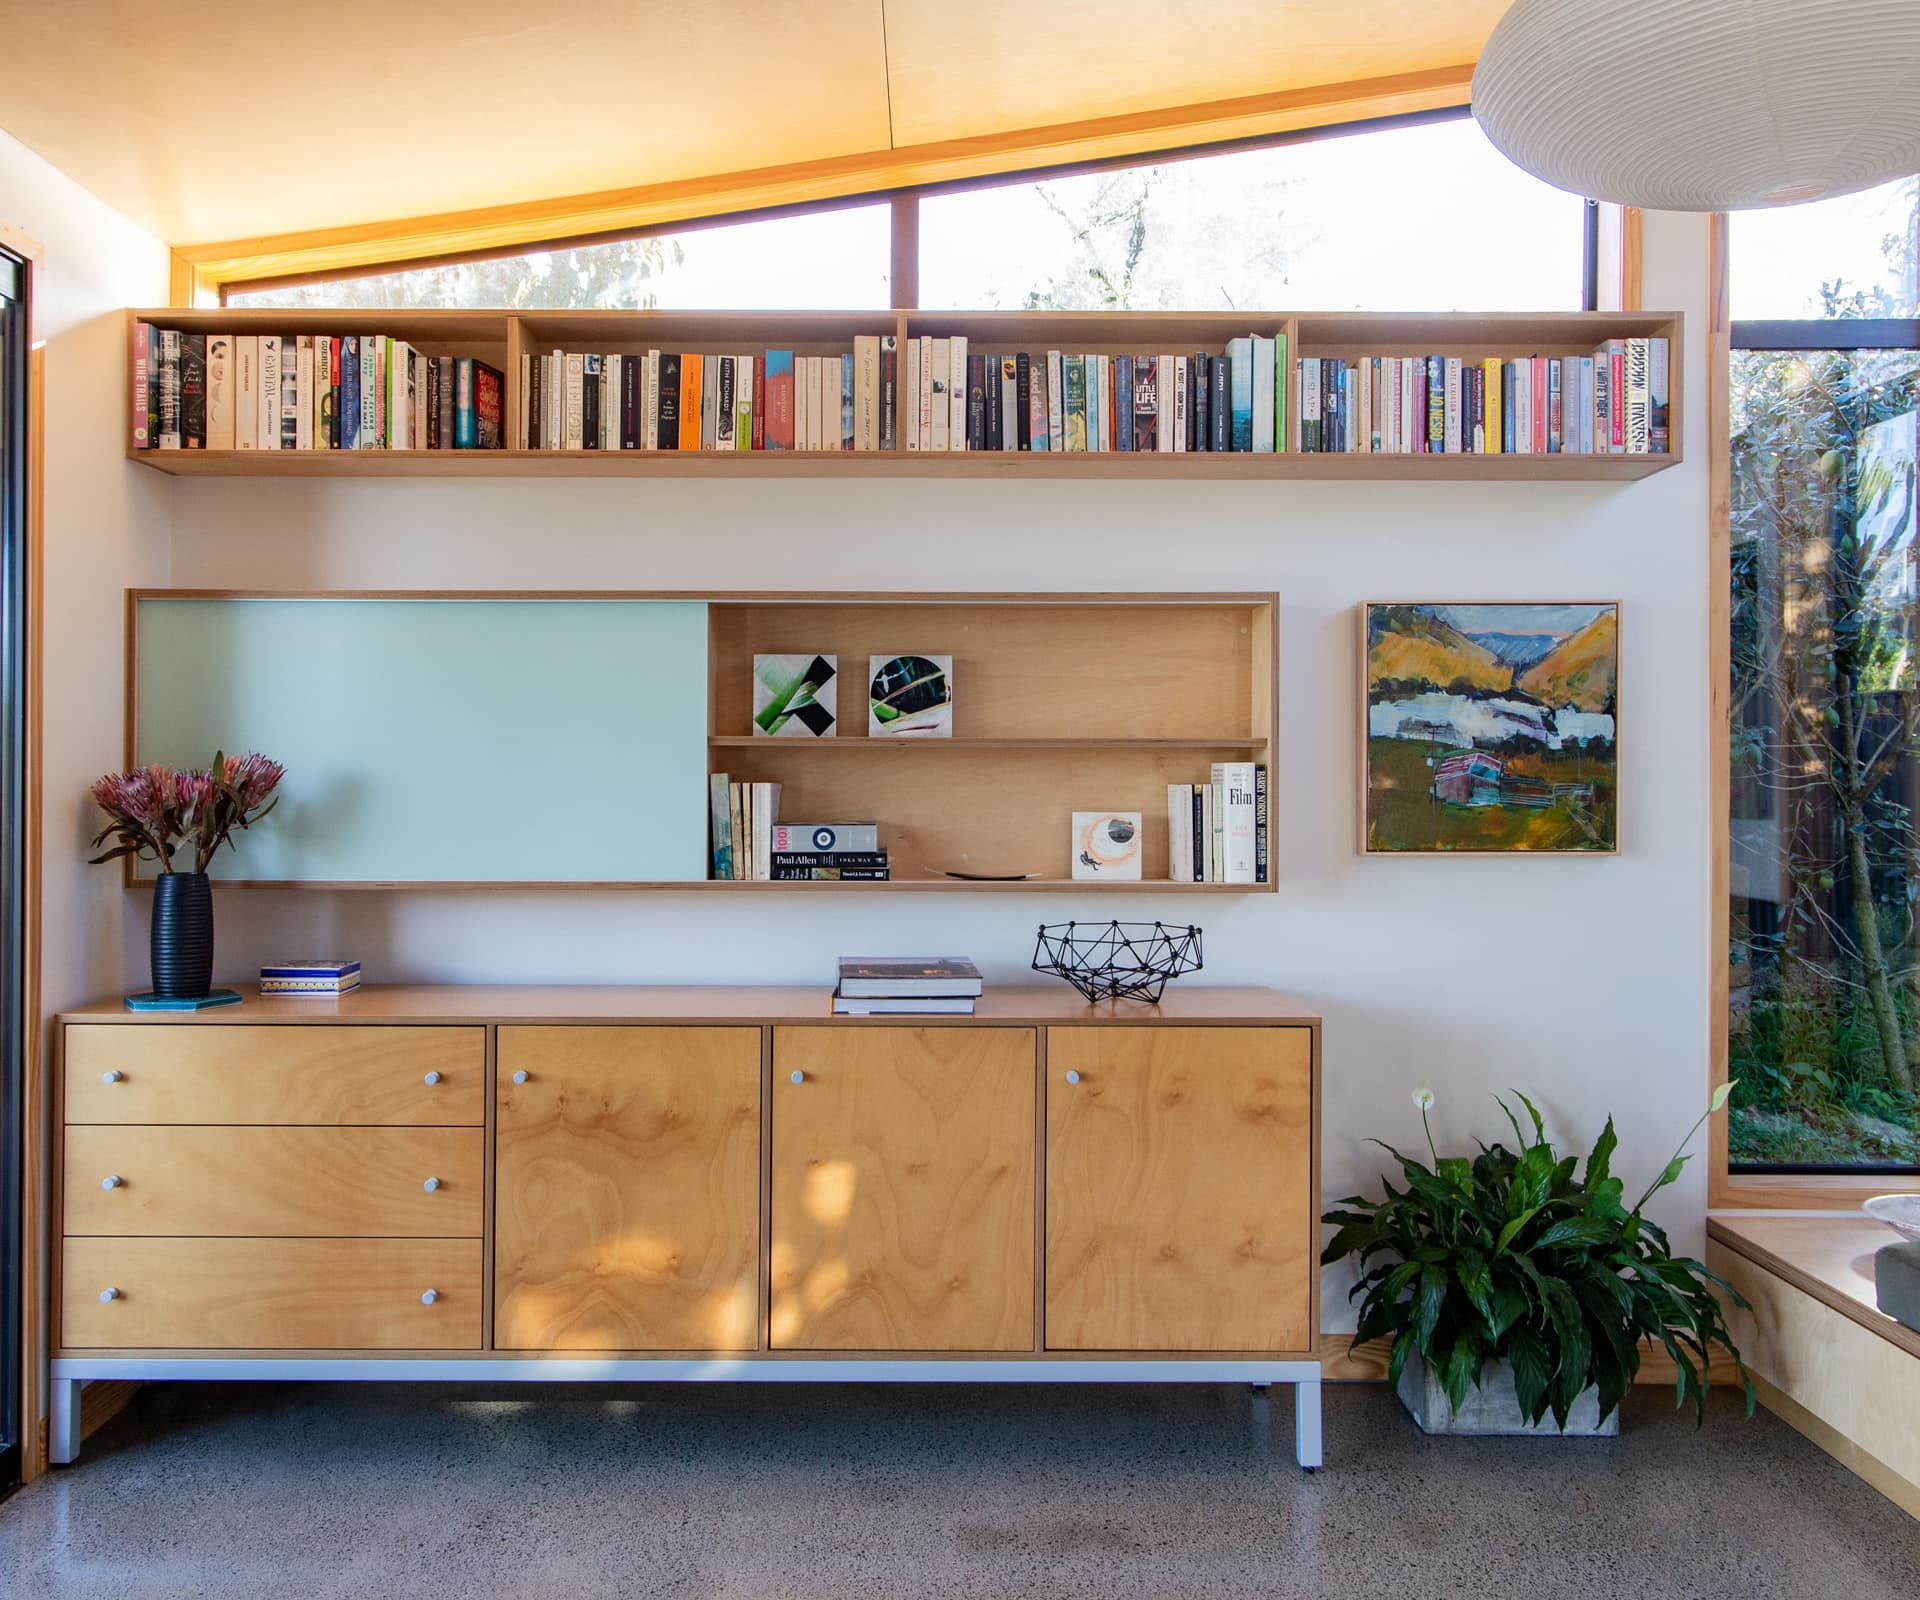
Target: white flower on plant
1423,1098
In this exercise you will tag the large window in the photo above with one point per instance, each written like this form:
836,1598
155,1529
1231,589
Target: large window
1427,217
1824,621
1418,216
820,261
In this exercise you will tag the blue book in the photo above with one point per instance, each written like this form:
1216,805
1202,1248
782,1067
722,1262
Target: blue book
846,401
466,434
1240,363
779,370
1436,404
1220,402
311,969
350,391
1506,409
1123,402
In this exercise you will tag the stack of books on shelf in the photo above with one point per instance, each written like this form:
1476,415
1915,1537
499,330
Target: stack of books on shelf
873,986
750,843
689,400
1612,402
1217,831
321,979
961,399
225,391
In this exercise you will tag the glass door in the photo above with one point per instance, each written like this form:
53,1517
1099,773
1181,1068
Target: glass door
13,809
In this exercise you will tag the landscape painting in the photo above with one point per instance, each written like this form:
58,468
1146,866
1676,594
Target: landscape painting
1491,727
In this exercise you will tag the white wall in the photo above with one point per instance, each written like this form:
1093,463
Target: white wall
106,528
1582,980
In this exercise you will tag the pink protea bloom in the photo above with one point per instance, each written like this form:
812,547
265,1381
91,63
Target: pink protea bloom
138,795
194,794
253,777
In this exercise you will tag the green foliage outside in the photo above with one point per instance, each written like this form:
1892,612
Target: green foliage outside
1824,957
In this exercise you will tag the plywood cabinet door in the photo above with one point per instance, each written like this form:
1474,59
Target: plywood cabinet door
627,1189
903,1188
1179,1211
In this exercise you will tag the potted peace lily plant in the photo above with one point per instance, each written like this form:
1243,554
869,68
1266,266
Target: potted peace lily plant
159,814
1513,1288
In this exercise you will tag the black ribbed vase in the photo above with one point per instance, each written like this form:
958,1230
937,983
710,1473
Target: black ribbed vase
182,939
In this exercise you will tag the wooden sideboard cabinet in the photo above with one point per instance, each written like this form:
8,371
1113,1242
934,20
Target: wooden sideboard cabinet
688,1184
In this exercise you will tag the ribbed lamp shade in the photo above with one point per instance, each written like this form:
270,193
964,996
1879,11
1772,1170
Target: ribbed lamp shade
1705,105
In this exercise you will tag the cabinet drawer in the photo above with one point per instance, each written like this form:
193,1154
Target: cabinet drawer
365,1182
295,1073
270,1294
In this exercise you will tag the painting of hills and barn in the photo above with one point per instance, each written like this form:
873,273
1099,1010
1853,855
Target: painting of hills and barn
1491,727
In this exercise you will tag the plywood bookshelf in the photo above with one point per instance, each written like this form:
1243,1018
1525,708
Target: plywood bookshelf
1061,704
501,337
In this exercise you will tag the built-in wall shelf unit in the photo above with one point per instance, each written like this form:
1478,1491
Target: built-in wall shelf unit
1391,353
486,739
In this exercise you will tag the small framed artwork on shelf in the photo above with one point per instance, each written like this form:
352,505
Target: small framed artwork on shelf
910,696
796,696
1106,845
1490,728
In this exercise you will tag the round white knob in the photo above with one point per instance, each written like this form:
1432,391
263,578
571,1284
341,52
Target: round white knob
111,1181
1073,1077
112,1075
108,1296
429,1297
796,1076
430,1185
431,1079
520,1076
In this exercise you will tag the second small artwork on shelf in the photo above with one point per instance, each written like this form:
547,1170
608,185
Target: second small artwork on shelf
910,696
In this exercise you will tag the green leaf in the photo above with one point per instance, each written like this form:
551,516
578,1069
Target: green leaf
1532,1369
1576,1230
1476,1281
1462,1370
1720,1094
1427,1305
1457,1173
1397,1362
1600,1161
1539,1127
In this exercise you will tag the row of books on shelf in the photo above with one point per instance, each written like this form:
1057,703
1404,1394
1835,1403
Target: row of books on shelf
224,391
749,843
906,985
1612,402
947,398
1217,831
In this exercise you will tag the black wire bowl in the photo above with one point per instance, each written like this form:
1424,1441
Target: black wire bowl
1117,960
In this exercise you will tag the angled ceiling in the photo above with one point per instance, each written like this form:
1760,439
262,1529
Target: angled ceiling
231,119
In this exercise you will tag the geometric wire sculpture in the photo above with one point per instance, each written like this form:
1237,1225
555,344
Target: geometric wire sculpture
1117,960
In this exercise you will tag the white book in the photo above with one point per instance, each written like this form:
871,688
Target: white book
370,404
1181,400
1163,399
957,392
524,385
219,391
1523,407
826,393
574,437
1369,429
1263,383
1235,782
710,402
246,392
1096,404
743,402
867,396
911,412
1180,832
303,392
1037,403
766,811
399,402
267,413
418,402
650,413
610,404
554,401
924,390
1056,402
803,402
1452,434
940,395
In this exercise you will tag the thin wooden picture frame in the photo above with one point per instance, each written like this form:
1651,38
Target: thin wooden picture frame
1363,762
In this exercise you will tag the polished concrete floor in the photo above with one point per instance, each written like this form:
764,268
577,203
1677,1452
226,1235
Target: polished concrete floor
986,1493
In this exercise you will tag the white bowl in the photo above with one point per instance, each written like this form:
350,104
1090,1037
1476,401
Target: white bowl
1900,1211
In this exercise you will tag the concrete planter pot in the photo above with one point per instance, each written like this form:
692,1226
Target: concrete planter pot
1492,1409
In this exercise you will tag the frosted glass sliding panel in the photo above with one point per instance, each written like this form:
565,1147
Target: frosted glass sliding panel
444,740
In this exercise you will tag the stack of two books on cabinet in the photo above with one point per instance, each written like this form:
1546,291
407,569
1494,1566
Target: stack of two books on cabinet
872,986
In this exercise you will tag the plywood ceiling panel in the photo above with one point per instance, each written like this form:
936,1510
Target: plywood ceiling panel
230,118
234,119
976,66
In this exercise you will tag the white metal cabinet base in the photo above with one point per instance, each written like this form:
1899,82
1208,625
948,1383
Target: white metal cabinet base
70,1371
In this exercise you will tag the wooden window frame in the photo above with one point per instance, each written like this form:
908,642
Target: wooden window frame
1727,1189
1612,248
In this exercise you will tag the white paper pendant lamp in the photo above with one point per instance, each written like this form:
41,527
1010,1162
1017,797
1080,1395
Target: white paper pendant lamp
1705,105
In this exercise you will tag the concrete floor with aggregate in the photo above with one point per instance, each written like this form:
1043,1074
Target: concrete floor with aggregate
336,1490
